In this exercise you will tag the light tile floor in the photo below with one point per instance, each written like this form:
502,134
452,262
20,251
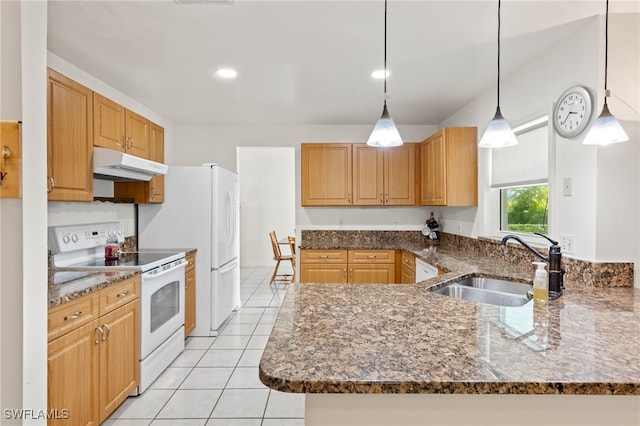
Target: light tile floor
214,382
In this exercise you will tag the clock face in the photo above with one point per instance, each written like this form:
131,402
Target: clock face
572,112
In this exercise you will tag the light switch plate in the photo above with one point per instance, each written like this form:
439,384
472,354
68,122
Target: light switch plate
567,187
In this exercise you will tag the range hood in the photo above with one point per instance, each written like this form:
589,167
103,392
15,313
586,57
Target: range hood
109,164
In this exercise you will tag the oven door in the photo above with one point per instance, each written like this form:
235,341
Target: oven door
161,306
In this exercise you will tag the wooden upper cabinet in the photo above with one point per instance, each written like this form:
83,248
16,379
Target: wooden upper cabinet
109,123
153,190
138,133
326,174
118,128
400,175
384,176
368,175
69,139
156,153
449,168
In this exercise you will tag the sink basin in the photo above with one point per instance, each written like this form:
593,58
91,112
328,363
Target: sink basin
488,290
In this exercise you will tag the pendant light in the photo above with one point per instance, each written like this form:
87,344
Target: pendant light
385,133
606,129
498,133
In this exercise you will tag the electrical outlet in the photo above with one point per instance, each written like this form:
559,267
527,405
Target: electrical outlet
460,228
566,243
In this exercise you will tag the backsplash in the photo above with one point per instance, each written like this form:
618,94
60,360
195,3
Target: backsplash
577,272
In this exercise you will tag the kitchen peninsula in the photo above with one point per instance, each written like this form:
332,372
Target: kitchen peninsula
400,354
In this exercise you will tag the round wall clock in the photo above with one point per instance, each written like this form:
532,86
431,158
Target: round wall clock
572,112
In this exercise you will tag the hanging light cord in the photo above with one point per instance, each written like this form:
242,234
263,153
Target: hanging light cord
385,53
498,54
606,50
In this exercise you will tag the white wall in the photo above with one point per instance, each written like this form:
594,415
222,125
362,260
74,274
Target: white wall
33,37
197,144
267,200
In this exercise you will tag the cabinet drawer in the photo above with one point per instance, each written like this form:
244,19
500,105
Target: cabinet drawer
323,256
371,256
118,294
67,317
409,260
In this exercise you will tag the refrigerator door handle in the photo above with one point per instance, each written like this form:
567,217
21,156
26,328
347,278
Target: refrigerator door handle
226,267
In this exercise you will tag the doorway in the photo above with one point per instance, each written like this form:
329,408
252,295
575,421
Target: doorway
267,182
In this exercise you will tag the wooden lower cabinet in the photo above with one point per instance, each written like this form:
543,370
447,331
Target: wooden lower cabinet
319,273
347,266
72,377
372,273
407,268
92,368
190,294
119,357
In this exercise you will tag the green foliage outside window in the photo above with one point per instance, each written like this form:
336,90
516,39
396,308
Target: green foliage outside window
527,209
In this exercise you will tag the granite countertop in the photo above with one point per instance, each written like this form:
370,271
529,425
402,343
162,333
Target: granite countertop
65,285
393,338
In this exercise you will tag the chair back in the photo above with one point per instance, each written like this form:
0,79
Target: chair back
275,246
292,245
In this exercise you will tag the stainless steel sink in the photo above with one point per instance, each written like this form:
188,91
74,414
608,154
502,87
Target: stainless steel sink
488,290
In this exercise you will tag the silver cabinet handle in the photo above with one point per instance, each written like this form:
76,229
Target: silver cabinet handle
324,256
52,184
99,339
76,315
381,199
123,294
386,199
371,256
349,198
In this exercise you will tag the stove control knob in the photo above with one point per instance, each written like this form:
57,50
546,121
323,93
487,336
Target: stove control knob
74,238
120,231
66,239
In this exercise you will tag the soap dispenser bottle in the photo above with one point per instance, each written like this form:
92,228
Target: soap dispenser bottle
540,284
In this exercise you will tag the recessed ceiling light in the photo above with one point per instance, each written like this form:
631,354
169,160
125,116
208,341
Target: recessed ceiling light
380,74
227,73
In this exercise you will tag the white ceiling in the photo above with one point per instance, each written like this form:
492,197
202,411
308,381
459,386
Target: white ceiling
308,62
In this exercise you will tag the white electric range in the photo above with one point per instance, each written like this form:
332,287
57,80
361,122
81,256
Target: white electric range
82,248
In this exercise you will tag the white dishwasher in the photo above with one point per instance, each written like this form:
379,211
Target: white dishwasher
424,271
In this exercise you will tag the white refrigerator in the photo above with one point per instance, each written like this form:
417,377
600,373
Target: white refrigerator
201,211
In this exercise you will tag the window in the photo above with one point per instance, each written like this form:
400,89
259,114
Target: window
520,173
525,209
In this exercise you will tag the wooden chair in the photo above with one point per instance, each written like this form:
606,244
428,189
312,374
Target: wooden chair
279,257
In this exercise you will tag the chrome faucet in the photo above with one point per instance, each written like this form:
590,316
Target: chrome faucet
554,260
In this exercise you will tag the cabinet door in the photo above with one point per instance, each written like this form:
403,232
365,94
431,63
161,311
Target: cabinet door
108,123
326,174
190,295
368,175
156,153
400,175
138,132
69,139
72,376
433,170
408,275
374,273
119,355
319,273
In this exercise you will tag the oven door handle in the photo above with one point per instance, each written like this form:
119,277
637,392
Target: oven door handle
151,274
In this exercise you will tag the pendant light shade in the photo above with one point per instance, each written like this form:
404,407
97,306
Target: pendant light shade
385,133
606,129
498,133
